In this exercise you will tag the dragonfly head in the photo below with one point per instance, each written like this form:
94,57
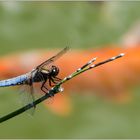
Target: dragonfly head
54,71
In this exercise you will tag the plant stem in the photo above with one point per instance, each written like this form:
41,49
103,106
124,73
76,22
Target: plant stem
57,88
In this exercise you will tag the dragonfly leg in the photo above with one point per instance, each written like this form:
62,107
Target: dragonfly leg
57,79
46,89
43,86
50,83
43,90
54,81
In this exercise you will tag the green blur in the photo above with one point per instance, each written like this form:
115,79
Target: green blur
33,25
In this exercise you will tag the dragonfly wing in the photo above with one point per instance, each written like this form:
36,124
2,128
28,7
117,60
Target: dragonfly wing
54,58
27,95
32,90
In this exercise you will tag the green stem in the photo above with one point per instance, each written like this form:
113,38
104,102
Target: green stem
55,89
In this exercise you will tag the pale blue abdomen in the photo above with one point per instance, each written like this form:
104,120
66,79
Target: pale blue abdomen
14,81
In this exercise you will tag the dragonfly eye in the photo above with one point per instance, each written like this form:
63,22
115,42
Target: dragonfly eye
54,71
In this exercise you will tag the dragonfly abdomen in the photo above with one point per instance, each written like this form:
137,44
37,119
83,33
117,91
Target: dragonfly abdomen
14,81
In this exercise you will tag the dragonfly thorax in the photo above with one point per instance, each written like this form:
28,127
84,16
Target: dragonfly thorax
52,72
44,74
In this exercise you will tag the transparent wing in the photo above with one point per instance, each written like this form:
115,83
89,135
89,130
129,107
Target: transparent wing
52,59
27,95
27,92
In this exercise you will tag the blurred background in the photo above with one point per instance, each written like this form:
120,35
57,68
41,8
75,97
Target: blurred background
99,104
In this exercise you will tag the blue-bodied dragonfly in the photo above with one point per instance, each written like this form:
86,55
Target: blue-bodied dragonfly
41,74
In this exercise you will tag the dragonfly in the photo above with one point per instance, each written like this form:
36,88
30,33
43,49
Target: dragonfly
40,74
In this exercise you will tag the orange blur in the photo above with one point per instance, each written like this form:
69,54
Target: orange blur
111,80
